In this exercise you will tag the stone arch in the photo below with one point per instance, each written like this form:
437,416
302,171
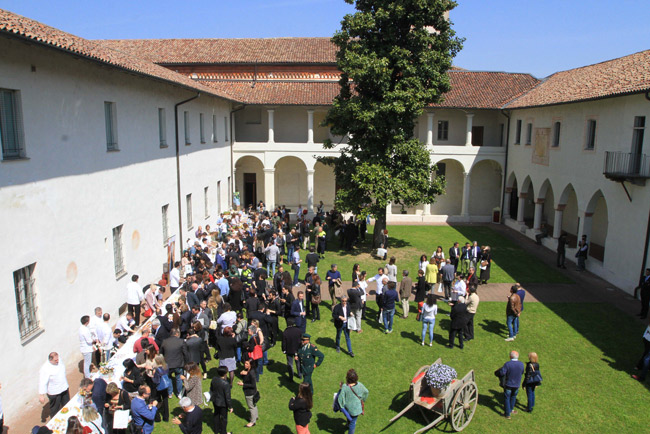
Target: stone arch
568,204
511,182
450,203
290,182
324,185
527,195
511,201
249,179
597,222
547,196
484,187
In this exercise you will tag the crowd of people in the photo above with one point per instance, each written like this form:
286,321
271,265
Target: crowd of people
234,283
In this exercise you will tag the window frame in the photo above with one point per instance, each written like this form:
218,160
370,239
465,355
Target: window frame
518,132
17,151
165,223
186,128
162,127
225,128
557,133
529,133
206,201
188,211
118,252
202,128
29,325
215,130
110,122
443,130
591,129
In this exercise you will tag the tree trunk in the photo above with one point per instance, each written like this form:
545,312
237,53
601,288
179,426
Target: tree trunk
378,233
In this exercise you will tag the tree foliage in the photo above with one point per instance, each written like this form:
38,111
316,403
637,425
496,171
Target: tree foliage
393,64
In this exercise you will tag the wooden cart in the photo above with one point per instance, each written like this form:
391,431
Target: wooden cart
457,403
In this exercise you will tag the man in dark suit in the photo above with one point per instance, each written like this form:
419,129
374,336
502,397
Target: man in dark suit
475,255
176,355
287,298
512,370
298,312
191,423
220,397
356,305
201,317
159,329
291,339
266,324
454,255
340,315
465,256
458,317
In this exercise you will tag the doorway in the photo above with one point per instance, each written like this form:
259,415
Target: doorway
477,136
250,189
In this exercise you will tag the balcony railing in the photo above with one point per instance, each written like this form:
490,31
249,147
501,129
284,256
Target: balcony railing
626,165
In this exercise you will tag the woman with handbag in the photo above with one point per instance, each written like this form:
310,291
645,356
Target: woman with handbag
251,394
532,379
162,382
486,263
226,348
301,406
116,400
315,297
352,398
254,348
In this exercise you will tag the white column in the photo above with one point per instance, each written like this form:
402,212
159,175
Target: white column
269,188
520,207
537,221
557,221
271,132
429,128
427,209
506,203
310,190
465,207
310,128
389,209
468,130
585,226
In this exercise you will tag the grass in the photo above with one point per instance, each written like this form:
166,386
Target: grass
586,354
407,243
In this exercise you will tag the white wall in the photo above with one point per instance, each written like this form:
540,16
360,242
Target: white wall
571,163
60,205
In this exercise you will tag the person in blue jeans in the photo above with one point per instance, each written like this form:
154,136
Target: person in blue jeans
428,317
351,397
513,310
295,264
390,297
513,371
529,383
340,314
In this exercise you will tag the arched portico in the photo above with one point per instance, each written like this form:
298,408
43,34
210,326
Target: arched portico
566,213
511,198
526,206
485,187
450,203
594,224
291,183
249,180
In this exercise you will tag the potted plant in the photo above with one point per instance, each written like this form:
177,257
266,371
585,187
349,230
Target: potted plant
438,378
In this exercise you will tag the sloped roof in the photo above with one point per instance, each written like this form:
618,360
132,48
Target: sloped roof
622,76
279,92
216,51
34,31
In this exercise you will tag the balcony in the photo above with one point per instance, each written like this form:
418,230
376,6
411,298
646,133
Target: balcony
626,166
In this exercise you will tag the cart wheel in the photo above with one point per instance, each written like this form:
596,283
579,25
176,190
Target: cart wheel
464,406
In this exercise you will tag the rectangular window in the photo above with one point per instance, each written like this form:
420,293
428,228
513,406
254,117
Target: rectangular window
162,127
229,199
188,205
26,301
117,252
202,127
186,125
556,134
214,129
110,115
590,142
218,197
502,129
637,134
165,224
518,132
443,130
206,201
529,133
11,125
225,128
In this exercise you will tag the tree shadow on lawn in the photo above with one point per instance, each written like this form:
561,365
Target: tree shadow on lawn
365,246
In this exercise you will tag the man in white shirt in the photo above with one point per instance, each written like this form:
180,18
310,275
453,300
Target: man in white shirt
53,384
105,335
86,342
175,277
459,288
228,318
134,297
96,322
382,281
126,324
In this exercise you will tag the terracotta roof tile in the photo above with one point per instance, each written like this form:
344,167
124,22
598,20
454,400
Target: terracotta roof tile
279,92
191,51
625,75
25,28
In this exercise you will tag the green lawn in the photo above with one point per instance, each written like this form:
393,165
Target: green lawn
586,354
407,243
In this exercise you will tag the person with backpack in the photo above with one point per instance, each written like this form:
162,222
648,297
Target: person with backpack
352,398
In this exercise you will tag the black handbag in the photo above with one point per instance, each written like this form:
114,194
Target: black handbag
256,397
534,378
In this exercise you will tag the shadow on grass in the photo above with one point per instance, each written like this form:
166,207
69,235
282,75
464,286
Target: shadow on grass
281,429
494,327
492,399
331,424
363,247
326,342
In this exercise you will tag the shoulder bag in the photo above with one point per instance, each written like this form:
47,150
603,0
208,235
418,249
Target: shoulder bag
534,378
257,352
363,404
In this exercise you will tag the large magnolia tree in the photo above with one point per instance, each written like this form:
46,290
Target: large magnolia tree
393,57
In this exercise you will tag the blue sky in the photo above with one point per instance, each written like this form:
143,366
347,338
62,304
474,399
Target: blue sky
539,37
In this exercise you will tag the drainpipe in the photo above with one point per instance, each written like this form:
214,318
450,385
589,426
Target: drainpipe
647,231
232,142
505,165
178,171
